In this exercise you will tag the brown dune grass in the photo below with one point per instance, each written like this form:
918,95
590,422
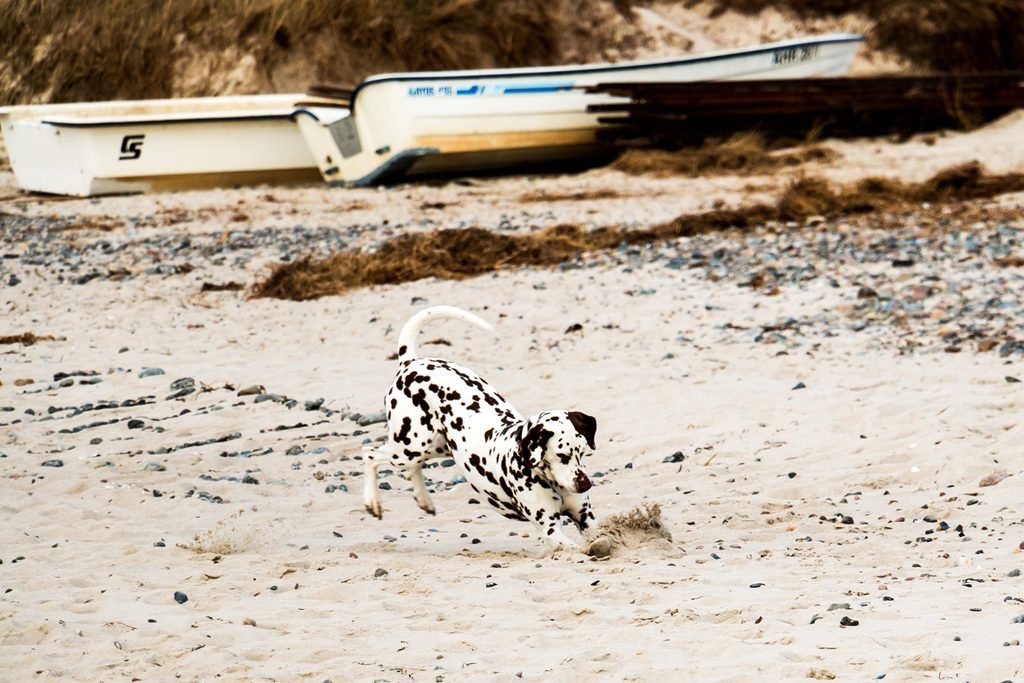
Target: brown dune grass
740,154
462,253
68,50
943,35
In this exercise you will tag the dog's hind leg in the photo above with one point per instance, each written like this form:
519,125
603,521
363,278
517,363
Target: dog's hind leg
371,494
419,487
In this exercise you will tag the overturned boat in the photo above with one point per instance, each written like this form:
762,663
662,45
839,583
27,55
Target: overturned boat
151,145
410,124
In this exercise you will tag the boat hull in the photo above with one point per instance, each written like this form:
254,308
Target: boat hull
124,147
404,125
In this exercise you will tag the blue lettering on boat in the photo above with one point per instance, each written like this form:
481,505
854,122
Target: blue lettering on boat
532,88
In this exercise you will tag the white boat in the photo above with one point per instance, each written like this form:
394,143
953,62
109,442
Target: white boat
408,124
138,146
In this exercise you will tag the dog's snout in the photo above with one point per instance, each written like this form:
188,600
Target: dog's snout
583,482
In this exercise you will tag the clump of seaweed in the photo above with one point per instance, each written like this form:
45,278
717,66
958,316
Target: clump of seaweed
740,154
455,254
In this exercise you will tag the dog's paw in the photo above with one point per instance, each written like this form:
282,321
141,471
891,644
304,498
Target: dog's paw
374,508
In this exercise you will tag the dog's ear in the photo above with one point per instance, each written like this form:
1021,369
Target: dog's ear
532,443
585,425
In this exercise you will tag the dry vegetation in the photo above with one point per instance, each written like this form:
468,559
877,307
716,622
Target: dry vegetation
462,253
68,50
939,35
741,154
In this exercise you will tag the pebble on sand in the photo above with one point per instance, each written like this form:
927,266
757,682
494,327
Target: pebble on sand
180,597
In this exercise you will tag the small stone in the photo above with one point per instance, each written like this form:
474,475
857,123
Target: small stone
601,547
155,467
847,519
847,621
248,621
180,597
53,463
799,385
384,486
1012,380
380,572
678,456
931,519
183,383
252,390
95,441
757,585
1014,573
136,424
372,418
838,605
313,405
150,372
490,584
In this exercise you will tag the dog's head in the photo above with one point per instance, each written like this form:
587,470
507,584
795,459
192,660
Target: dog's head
553,445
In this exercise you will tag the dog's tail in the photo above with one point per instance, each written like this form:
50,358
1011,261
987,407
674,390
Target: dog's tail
407,338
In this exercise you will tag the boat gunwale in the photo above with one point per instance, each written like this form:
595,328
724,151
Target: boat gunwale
578,69
58,123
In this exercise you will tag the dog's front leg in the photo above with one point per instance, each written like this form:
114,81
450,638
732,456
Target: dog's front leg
577,507
545,512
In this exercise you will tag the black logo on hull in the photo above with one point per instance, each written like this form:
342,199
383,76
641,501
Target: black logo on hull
131,146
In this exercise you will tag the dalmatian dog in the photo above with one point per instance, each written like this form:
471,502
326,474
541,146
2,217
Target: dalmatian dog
529,469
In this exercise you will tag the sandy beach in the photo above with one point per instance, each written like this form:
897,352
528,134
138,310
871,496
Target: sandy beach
829,416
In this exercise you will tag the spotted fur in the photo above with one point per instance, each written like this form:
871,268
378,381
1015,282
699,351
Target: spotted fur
527,469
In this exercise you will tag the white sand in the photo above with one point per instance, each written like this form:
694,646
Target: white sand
883,438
